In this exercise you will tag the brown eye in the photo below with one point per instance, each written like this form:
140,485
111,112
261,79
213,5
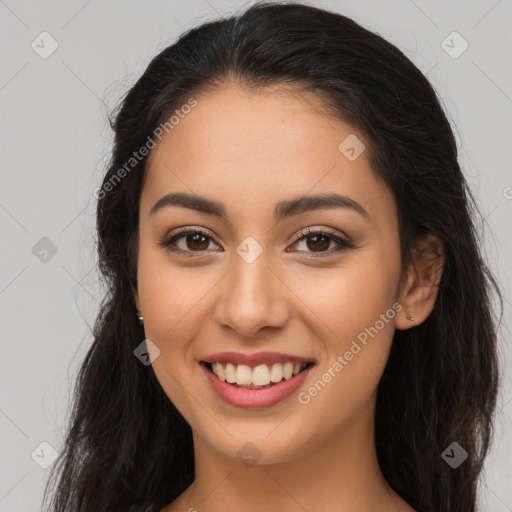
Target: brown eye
194,242
318,241
187,242
197,241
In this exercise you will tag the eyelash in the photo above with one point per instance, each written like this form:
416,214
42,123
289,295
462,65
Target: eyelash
343,245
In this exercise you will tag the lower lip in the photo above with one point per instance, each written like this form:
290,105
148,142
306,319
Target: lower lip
251,398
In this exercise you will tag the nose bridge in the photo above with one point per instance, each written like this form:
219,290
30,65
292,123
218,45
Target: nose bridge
253,296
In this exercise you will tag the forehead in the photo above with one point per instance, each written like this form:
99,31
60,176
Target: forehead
247,148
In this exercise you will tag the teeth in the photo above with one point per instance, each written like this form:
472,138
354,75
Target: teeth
218,369
261,375
287,370
243,375
230,373
276,372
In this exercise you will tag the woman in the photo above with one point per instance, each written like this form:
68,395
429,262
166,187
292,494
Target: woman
298,316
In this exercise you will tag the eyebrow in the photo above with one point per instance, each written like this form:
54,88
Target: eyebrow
283,209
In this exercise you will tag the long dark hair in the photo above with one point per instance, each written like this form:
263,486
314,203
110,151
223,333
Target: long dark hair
127,447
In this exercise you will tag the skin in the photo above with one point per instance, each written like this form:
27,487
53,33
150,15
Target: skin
250,150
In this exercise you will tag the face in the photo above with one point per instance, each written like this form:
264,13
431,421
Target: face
267,286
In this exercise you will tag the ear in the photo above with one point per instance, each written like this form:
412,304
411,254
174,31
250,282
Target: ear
419,293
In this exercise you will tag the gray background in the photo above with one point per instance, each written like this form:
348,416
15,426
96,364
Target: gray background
56,141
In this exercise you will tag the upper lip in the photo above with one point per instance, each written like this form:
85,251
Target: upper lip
254,359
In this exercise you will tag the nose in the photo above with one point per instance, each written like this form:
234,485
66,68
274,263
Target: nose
252,297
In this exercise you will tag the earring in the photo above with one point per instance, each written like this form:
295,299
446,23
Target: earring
409,317
141,320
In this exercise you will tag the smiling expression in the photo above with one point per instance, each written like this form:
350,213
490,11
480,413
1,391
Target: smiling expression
285,246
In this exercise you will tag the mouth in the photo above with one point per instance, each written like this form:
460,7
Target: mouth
256,377
256,380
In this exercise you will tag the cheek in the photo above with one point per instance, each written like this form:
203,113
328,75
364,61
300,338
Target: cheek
349,298
171,299
355,357
171,296
353,307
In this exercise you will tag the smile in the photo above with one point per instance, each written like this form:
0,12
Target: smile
255,377
257,380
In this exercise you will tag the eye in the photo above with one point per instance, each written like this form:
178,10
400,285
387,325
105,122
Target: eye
197,241
317,240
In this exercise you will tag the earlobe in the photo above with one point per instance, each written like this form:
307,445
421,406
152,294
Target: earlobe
419,295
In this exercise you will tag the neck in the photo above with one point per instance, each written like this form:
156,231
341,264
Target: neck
340,475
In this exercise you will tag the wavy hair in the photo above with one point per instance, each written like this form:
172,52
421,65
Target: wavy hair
127,448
